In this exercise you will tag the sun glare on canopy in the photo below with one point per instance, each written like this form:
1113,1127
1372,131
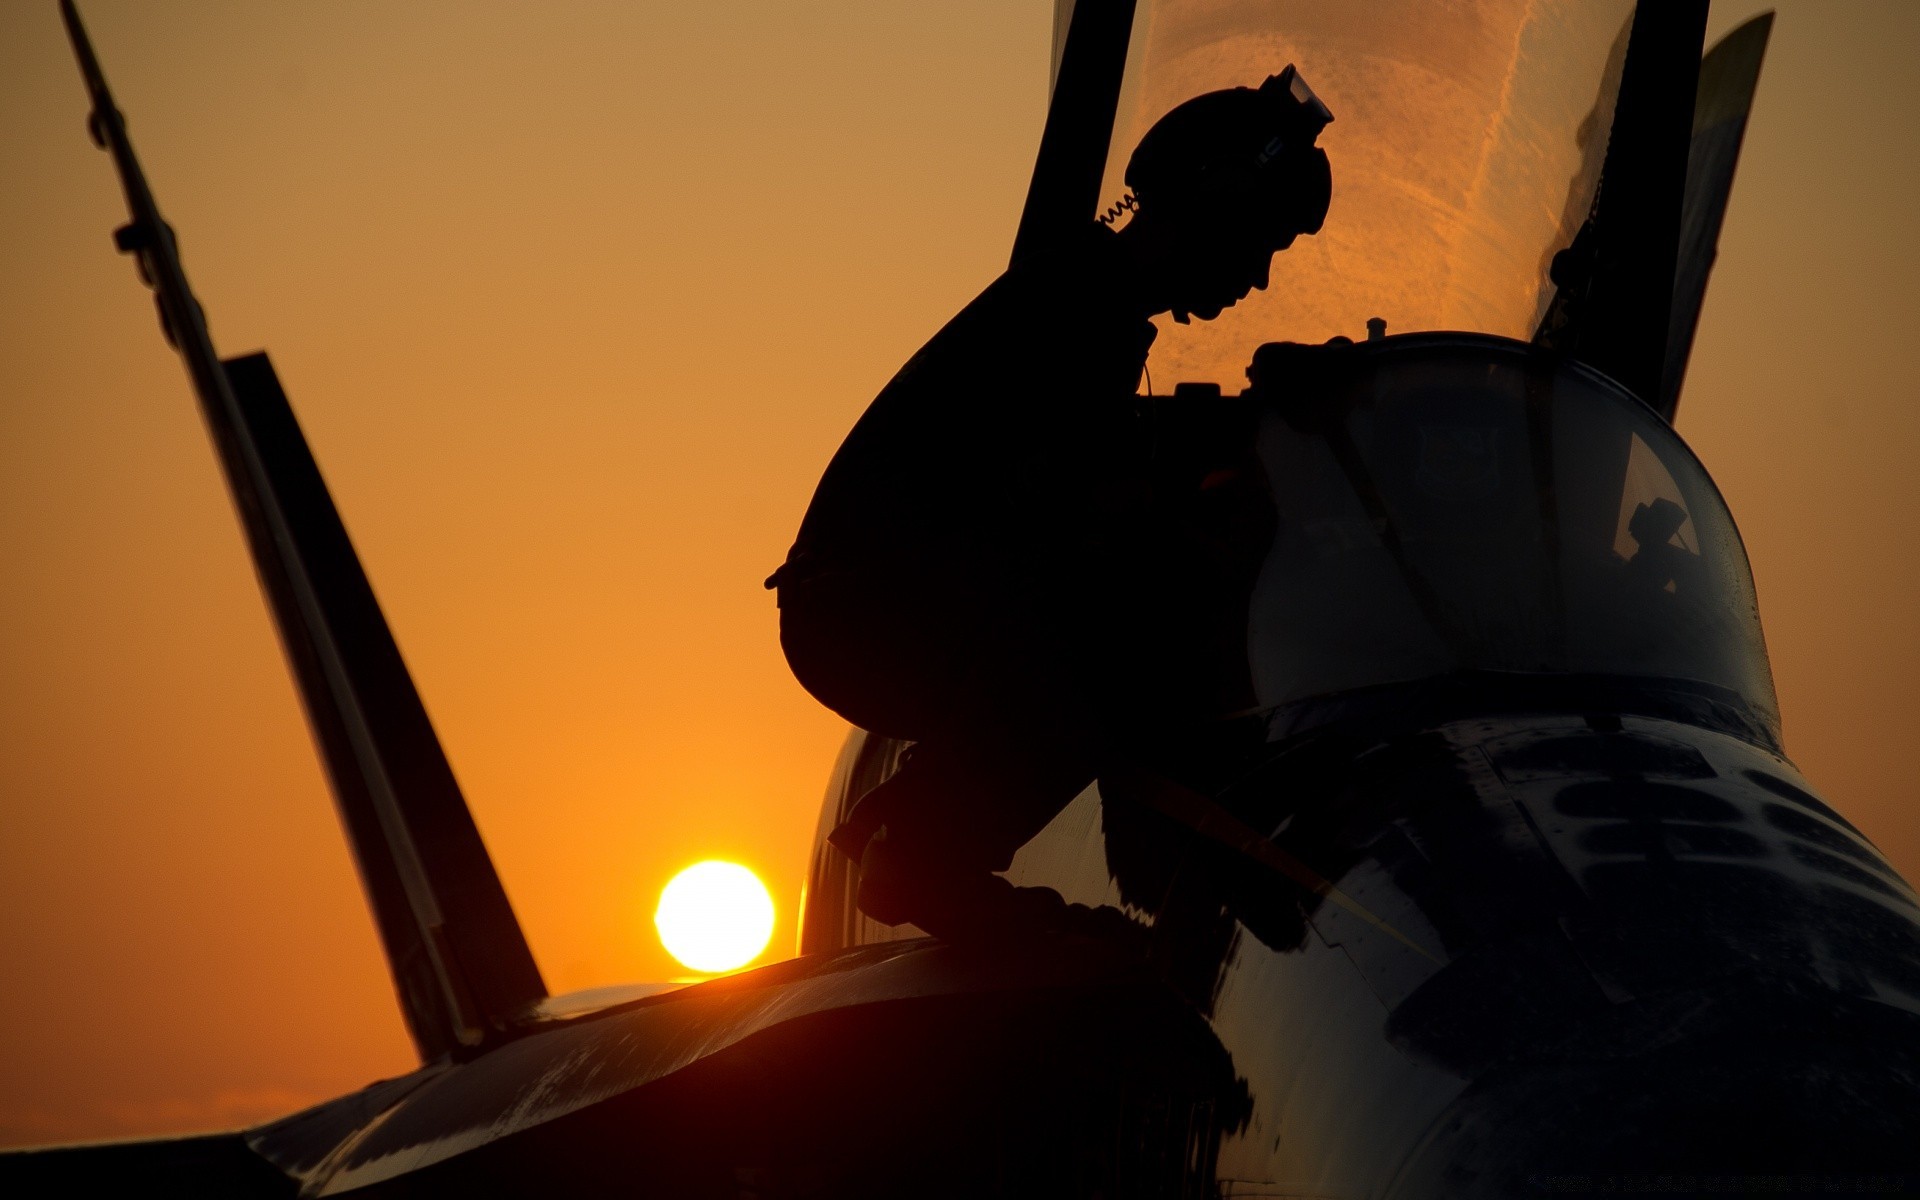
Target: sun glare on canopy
715,916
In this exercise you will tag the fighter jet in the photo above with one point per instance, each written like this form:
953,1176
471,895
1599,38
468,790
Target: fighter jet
1479,871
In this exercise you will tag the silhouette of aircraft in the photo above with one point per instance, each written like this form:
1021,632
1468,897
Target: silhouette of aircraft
1484,873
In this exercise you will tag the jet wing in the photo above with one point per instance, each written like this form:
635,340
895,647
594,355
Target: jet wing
460,964
213,1164
683,1093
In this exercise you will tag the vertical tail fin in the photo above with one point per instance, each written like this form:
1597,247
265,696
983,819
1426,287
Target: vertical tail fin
1729,75
460,963
1615,293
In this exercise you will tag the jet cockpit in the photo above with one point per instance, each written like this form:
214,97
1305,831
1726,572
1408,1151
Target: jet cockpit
1449,503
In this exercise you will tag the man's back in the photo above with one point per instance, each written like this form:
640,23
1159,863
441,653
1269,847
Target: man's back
1011,428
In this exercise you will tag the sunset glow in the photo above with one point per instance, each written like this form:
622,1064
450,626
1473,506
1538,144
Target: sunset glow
574,303
714,917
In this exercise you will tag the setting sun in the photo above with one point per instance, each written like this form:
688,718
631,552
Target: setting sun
715,916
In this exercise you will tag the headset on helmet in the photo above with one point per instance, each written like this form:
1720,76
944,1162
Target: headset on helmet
1255,140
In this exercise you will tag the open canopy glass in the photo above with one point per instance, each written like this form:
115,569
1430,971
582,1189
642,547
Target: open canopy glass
1466,147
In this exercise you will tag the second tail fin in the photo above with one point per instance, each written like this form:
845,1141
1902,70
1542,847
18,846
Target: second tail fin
460,964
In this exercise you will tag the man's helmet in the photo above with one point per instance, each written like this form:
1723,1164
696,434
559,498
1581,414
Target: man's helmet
1241,146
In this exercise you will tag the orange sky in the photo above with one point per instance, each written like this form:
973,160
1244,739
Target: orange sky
574,301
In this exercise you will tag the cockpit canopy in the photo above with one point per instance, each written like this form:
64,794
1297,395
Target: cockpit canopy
1466,147
1455,502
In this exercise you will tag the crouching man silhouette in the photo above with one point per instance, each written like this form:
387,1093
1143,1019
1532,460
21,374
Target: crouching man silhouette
968,574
